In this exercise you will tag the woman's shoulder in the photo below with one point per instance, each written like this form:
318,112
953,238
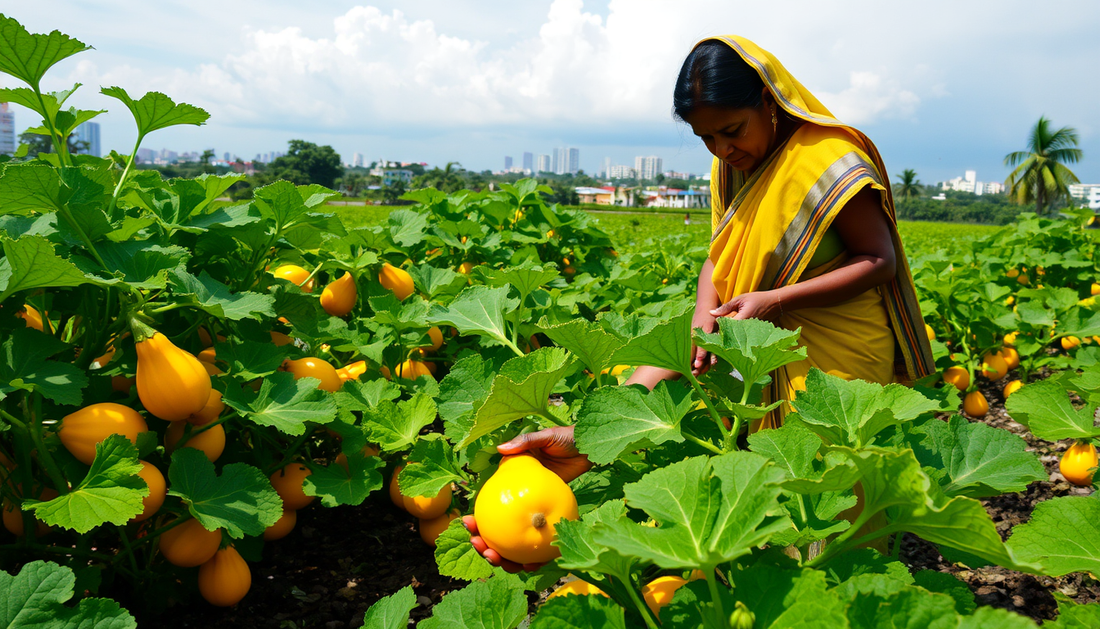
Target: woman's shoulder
810,135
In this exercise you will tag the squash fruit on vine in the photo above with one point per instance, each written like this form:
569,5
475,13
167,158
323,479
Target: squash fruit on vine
436,337
423,507
975,404
82,430
518,506
210,412
413,369
1079,463
577,587
431,528
352,371
172,384
295,275
659,592
13,515
397,280
189,544
157,491
288,484
338,298
225,579
315,368
210,441
282,527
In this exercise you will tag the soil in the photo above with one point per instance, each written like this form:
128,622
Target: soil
338,562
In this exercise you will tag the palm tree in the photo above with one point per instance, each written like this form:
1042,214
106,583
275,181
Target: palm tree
1040,174
908,186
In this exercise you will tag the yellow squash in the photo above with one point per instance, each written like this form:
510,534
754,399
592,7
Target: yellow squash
189,544
1010,356
436,337
1012,387
295,275
352,371
225,578
82,430
577,587
975,404
518,506
282,527
994,366
1079,463
157,490
210,412
396,280
338,298
288,484
957,376
659,592
431,528
316,368
171,383
210,441
413,369
1070,342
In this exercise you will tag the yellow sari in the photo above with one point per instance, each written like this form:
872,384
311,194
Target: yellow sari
766,229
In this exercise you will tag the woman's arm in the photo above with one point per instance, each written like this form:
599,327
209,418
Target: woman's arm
862,227
706,299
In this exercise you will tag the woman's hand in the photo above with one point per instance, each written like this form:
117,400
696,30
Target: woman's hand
557,450
763,305
701,359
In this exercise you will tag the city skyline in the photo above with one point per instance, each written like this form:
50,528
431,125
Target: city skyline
436,83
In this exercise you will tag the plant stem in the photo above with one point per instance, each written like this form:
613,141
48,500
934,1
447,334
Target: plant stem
125,174
643,609
44,456
129,550
550,416
701,442
710,406
712,584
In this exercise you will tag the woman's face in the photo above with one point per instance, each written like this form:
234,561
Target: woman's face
741,138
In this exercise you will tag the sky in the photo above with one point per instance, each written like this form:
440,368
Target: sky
940,87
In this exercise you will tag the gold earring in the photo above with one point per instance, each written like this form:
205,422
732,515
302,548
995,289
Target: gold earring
775,120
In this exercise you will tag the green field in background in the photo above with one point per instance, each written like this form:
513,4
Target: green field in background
629,232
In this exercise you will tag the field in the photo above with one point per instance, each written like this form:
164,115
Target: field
286,414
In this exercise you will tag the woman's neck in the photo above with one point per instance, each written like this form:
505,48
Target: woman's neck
783,132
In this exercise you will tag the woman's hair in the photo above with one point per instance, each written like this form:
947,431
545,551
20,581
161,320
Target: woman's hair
714,74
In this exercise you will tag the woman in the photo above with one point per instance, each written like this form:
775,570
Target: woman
804,233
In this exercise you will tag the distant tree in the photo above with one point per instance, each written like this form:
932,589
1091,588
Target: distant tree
1041,175
42,144
446,179
393,192
352,184
659,178
306,163
907,186
678,184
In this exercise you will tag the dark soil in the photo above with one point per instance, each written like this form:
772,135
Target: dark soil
338,562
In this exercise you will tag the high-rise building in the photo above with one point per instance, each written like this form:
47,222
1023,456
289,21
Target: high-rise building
507,162
7,130
528,162
357,160
621,172
574,165
561,161
89,132
648,167
226,156
607,167
146,156
544,165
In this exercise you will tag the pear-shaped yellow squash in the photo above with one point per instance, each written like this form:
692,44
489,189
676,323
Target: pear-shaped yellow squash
397,280
518,506
171,383
338,298
82,430
225,578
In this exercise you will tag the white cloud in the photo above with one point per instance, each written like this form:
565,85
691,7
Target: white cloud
870,97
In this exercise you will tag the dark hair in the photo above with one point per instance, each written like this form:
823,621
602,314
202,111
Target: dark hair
714,74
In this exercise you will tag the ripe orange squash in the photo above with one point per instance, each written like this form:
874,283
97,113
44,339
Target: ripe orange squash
994,367
157,491
225,579
280,339
210,441
31,316
82,430
288,484
1012,387
431,528
413,369
518,506
1010,356
1079,463
315,368
423,507
579,588
172,384
975,404
436,337
282,527
210,412
189,544
352,371
396,280
957,376
295,275
13,515
338,298
1070,342
659,592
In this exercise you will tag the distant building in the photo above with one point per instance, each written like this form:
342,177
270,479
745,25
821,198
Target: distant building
682,199
7,130
528,162
574,165
507,163
561,161
356,160
606,195
391,174
544,164
648,167
146,156
1076,190
621,172
89,132
969,183
672,174
226,156
1094,197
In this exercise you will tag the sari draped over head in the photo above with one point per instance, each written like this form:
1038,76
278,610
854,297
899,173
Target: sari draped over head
772,229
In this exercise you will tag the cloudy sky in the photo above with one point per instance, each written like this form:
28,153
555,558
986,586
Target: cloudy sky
939,86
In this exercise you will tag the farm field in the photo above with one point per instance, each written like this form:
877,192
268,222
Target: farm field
281,413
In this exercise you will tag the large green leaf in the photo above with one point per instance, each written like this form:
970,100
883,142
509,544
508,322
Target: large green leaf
477,310
1044,407
30,186
462,392
978,460
581,551
215,298
614,420
110,492
521,388
283,403
27,56
391,612
35,597
143,265
666,344
348,484
579,612
30,262
240,500
395,427
155,111
525,277
787,598
588,341
755,348
1061,537
709,510
497,603
26,366
456,557
431,467
852,412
